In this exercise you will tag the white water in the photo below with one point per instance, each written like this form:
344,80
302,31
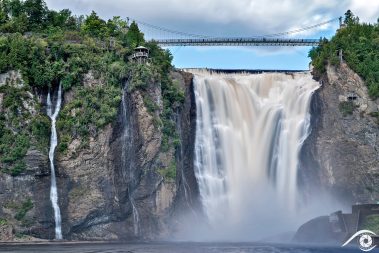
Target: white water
249,131
135,218
53,145
127,171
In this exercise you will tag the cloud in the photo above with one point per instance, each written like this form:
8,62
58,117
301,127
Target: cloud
226,17
368,11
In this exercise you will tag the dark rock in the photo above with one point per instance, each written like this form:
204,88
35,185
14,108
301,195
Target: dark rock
37,163
341,153
317,230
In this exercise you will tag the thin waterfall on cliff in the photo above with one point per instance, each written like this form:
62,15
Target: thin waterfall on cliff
53,144
249,131
127,171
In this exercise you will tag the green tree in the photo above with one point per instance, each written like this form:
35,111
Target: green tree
59,19
350,18
3,17
134,36
94,25
36,11
116,26
360,44
13,8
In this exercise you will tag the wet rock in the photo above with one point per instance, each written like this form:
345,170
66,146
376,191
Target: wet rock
341,154
37,163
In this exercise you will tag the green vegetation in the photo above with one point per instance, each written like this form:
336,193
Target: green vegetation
50,47
19,129
169,173
376,116
346,107
3,222
92,109
371,223
360,45
23,209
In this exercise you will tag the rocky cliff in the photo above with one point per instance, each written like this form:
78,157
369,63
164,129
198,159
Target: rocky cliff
119,184
341,154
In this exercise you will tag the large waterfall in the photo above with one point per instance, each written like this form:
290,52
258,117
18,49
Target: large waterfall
53,114
249,131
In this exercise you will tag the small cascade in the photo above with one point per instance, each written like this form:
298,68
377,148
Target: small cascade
136,221
127,171
53,114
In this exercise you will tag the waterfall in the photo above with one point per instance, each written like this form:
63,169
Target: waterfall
127,164
249,132
135,217
53,144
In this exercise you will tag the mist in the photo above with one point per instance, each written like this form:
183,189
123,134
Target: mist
249,133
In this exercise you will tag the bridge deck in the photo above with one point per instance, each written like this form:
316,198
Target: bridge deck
238,42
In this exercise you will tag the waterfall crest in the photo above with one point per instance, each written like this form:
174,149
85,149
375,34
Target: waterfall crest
249,132
53,114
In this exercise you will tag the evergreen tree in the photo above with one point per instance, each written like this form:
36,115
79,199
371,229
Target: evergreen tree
134,36
350,18
36,11
94,25
13,8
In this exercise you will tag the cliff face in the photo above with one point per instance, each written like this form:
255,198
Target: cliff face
25,175
341,154
116,187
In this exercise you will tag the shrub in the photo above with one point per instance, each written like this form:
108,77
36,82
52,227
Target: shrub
40,128
168,173
93,108
25,207
3,222
346,107
371,222
18,168
375,115
150,105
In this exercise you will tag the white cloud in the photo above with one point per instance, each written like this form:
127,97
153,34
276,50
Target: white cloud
367,11
226,17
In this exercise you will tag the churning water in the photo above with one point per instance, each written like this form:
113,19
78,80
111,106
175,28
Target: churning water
249,132
53,114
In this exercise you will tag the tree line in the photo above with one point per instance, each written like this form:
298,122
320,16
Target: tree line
359,43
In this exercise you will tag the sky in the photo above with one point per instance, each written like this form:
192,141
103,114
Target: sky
231,18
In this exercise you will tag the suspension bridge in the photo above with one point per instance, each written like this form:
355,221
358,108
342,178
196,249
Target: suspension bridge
188,39
239,42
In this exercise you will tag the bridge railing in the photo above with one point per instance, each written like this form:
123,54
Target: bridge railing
238,42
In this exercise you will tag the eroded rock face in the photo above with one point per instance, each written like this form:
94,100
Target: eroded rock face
113,190
12,78
99,184
30,190
341,153
85,185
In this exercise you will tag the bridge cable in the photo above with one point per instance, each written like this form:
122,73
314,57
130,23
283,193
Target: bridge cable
169,30
256,36
300,29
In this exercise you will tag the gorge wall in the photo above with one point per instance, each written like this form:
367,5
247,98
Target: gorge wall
341,154
120,185
104,192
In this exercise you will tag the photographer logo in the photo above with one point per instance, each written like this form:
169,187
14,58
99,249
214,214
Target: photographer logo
365,240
